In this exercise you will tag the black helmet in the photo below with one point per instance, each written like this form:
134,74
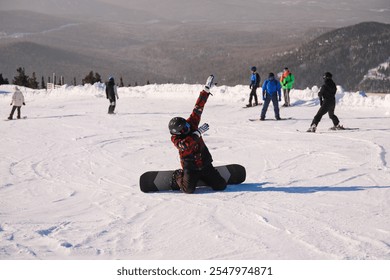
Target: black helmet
111,79
178,126
327,75
253,68
271,75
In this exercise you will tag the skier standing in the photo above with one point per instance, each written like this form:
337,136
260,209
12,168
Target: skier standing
17,102
195,157
328,104
255,83
271,92
111,94
287,81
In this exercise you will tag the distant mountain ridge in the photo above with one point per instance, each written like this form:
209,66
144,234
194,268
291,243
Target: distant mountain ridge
163,52
348,53
171,52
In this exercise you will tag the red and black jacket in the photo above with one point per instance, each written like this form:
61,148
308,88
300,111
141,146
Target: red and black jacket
194,154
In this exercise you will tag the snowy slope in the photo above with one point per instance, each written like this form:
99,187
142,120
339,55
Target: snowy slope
69,178
377,72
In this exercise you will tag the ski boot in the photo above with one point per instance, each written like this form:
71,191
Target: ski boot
312,128
337,127
177,174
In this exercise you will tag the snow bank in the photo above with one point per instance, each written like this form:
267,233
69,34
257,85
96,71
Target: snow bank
239,93
354,99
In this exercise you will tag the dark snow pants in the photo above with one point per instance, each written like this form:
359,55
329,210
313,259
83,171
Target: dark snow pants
13,111
252,95
328,106
111,108
268,99
189,178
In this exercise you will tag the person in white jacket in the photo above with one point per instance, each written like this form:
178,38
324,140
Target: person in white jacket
17,102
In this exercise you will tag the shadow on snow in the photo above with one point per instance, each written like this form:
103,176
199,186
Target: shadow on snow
259,187
57,117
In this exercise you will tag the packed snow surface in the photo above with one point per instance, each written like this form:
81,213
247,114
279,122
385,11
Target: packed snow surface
69,178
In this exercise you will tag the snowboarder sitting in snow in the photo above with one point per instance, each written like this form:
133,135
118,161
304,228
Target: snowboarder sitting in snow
271,92
328,104
17,101
111,94
255,83
195,157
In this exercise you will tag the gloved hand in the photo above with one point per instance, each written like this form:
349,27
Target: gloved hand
24,104
10,104
321,101
264,96
250,86
280,99
209,83
202,129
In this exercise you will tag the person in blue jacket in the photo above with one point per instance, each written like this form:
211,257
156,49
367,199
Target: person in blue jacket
271,92
255,83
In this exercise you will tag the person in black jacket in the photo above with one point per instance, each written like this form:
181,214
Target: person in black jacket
255,83
328,103
111,94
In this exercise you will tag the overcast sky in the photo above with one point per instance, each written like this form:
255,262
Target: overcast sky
328,13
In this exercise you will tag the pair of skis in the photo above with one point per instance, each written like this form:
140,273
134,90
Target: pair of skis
331,129
290,118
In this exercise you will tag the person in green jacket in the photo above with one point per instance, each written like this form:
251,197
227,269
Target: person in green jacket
287,82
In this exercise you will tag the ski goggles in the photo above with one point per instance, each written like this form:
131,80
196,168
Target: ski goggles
186,129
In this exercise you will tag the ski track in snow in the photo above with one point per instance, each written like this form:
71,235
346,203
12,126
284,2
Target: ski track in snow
69,181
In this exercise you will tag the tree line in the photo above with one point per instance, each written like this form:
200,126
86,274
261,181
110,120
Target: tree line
22,79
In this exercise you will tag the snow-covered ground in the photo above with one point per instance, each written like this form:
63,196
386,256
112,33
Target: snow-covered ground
69,178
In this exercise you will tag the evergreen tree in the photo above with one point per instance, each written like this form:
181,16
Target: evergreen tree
98,78
43,85
32,82
3,81
121,82
21,79
91,78
74,81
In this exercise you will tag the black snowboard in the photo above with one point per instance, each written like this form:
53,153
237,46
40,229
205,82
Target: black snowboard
260,104
22,118
154,181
